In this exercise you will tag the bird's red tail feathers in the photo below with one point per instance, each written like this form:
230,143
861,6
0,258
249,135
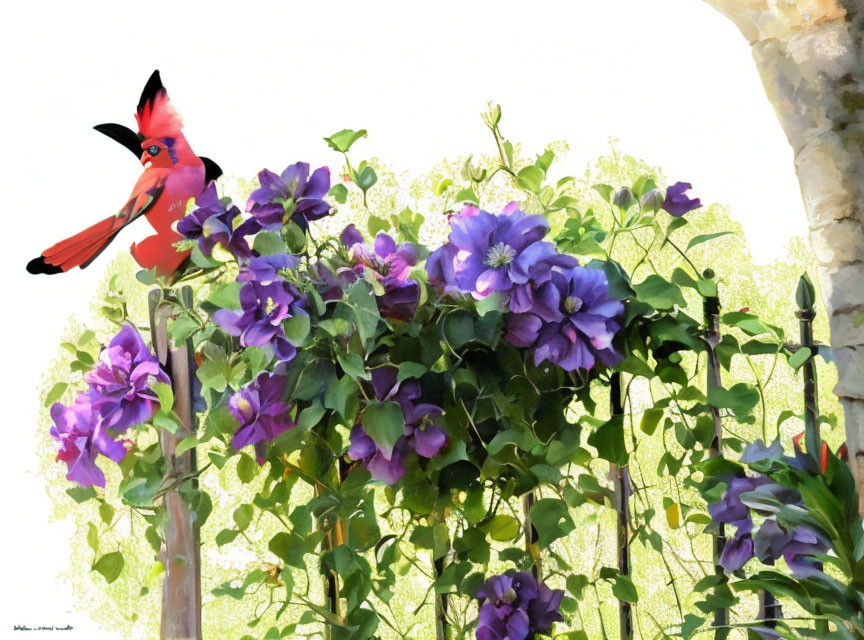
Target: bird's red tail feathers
83,247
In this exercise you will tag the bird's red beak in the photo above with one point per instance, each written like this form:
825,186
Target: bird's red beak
145,158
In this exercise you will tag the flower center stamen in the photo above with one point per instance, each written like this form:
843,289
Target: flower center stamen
572,304
500,255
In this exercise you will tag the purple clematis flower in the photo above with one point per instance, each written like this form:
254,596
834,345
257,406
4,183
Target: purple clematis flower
120,383
212,223
259,322
737,551
262,412
572,320
677,203
80,432
293,195
421,434
265,269
391,265
730,509
489,253
513,606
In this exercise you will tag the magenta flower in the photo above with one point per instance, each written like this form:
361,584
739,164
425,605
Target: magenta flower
513,606
120,384
677,203
212,223
81,435
391,264
572,320
293,195
262,412
490,253
422,434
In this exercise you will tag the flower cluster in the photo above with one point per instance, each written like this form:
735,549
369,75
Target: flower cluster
212,223
561,310
771,541
390,265
294,195
421,434
119,396
261,411
266,299
513,606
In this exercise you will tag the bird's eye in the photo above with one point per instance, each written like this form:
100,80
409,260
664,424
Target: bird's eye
153,150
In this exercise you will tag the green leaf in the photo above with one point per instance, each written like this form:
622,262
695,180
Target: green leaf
659,293
410,370
269,243
551,518
246,468
335,326
110,565
466,195
384,423
458,329
185,444
56,392
705,237
624,589
740,398
92,537
797,359
226,296
296,328
530,178
106,513
650,419
609,441
362,309
366,178
212,372
339,192
353,365
375,225
342,140
81,494
311,415
225,536
166,420
604,190
165,395
503,528
243,516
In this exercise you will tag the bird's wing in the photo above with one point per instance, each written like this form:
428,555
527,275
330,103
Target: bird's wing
82,248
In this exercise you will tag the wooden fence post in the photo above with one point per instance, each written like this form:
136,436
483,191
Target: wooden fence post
620,476
181,587
711,308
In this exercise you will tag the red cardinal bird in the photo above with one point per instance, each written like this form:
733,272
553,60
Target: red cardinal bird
173,174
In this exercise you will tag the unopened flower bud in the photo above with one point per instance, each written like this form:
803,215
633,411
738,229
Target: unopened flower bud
652,201
624,199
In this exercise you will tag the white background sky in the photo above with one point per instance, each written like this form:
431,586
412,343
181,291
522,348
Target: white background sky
259,84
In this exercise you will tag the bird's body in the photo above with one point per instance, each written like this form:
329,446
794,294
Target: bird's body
173,174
